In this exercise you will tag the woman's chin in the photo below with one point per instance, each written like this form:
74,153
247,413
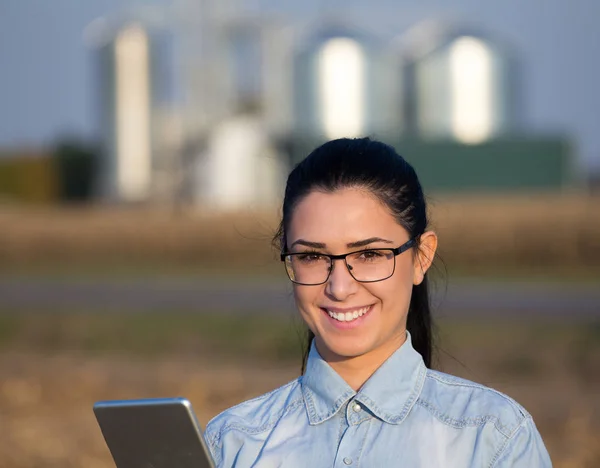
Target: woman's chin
341,348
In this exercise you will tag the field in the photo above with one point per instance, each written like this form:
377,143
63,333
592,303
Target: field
534,235
55,363
55,367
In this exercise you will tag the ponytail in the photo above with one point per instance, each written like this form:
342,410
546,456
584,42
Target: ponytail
310,336
419,323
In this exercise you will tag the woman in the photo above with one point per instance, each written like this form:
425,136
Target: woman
356,246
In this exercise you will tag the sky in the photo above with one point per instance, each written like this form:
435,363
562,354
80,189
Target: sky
46,74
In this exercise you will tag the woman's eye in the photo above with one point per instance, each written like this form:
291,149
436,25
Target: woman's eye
309,257
370,255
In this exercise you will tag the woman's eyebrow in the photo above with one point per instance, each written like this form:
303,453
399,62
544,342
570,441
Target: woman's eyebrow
365,242
314,245
360,243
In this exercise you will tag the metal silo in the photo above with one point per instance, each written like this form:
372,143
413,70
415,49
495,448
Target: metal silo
459,84
132,77
337,84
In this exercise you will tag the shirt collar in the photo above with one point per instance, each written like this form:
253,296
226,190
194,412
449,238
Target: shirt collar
389,393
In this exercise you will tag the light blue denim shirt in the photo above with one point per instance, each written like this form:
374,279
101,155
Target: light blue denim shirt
405,415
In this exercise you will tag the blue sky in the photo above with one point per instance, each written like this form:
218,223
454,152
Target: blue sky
45,68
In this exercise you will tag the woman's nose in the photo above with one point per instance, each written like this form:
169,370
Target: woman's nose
340,284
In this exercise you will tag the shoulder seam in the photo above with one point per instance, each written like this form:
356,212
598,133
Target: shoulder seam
251,400
264,427
460,423
215,436
506,431
507,441
466,383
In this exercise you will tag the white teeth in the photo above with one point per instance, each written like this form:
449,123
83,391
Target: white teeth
348,316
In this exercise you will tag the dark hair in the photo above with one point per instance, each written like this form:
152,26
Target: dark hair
375,166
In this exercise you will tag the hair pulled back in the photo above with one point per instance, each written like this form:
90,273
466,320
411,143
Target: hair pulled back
367,164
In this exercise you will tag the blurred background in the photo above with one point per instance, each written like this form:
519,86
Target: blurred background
144,148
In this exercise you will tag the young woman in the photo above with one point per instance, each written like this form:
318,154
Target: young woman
356,245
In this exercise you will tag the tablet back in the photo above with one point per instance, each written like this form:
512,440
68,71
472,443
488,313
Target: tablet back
154,433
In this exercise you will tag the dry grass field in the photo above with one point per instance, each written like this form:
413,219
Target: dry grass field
54,364
54,368
539,234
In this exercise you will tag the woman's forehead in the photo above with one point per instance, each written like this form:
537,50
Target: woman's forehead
345,215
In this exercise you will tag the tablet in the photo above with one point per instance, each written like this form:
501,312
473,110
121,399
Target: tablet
153,433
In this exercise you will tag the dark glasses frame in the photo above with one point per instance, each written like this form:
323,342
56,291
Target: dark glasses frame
395,251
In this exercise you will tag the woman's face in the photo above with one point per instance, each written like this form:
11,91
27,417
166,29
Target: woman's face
337,221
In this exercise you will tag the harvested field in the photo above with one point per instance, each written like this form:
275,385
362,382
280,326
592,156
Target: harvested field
55,363
50,381
530,234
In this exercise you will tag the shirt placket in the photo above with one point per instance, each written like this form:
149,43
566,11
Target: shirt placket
353,440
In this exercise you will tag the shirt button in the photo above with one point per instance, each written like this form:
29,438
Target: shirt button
348,461
356,407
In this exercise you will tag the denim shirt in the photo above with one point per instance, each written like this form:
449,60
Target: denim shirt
405,415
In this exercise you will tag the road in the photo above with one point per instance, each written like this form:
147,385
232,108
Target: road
458,298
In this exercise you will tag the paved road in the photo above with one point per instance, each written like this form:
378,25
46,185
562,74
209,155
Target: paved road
196,294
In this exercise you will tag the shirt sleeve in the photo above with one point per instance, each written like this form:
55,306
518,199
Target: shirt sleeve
525,449
214,445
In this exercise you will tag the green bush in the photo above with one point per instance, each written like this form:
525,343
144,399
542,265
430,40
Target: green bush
77,168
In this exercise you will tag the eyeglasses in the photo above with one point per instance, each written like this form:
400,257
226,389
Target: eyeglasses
365,266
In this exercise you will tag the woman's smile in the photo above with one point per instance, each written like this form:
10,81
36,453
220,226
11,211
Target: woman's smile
347,318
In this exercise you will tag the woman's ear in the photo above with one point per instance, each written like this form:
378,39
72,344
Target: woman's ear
424,256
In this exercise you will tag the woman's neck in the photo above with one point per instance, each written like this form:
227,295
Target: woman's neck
356,370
